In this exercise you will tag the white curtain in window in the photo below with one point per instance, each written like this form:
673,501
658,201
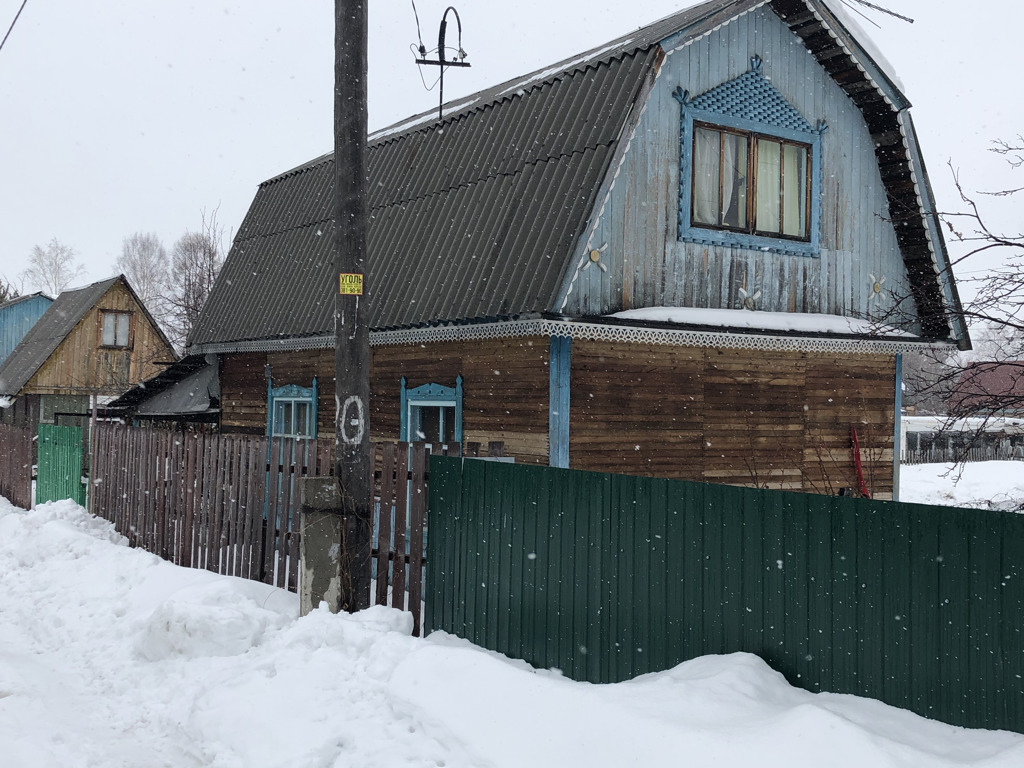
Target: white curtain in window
706,157
734,180
768,176
794,191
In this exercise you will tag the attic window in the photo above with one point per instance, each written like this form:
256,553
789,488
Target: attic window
749,169
750,182
116,330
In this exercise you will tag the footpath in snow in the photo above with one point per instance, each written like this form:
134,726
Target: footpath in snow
111,657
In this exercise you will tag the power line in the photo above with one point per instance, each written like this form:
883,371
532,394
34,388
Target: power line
23,4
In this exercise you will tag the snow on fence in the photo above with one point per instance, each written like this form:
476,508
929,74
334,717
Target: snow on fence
16,449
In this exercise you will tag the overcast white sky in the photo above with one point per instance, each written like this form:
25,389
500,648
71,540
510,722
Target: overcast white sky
119,116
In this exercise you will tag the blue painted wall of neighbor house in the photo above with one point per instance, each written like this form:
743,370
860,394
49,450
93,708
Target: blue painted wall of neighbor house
635,222
17,317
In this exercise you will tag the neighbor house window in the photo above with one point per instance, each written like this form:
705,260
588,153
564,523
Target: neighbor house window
292,411
749,182
116,329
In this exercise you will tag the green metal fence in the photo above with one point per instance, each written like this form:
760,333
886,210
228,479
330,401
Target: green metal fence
608,576
59,474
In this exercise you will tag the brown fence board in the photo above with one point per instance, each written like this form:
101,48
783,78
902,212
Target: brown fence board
417,528
384,512
398,563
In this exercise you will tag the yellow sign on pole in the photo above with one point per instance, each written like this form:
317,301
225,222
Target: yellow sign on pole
350,284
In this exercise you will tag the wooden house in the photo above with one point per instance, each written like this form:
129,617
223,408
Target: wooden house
697,251
90,345
17,317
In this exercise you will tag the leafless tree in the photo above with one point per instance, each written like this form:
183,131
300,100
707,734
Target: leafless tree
195,261
143,261
988,381
53,268
8,290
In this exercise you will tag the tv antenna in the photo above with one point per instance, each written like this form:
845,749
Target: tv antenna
442,59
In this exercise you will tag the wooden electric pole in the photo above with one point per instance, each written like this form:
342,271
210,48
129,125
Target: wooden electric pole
352,353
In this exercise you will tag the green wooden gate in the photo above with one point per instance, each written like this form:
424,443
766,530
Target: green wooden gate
60,464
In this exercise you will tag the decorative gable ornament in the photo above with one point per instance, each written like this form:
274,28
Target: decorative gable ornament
750,97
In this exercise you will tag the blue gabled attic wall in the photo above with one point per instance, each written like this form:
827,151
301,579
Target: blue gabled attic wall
17,317
641,259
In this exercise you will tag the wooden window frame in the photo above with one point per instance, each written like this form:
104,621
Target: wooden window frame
291,393
116,313
432,396
753,181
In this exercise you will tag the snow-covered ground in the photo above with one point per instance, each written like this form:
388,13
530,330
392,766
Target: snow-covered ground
111,657
981,485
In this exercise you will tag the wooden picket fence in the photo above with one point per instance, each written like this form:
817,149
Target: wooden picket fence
230,503
226,503
16,459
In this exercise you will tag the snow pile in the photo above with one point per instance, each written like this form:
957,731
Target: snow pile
112,657
978,485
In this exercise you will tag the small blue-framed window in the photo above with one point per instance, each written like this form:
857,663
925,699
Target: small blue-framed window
750,169
291,410
432,412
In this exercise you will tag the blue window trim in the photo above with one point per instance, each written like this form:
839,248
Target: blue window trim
696,234
431,394
559,368
291,392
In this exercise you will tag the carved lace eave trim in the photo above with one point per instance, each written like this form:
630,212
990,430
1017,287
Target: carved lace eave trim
636,334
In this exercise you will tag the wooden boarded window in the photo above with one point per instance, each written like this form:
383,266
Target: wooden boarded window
115,329
751,183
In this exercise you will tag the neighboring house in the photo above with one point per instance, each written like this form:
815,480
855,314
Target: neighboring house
698,251
185,393
989,389
17,316
91,344
948,439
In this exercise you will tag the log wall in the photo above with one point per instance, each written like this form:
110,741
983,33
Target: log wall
505,384
766,419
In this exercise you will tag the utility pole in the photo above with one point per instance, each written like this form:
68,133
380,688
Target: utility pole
352,352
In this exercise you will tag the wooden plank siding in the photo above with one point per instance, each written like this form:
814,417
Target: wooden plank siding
768,419
636,223
81,365
505,384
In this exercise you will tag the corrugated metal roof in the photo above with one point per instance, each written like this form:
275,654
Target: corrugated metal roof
471,217
47,334
474,216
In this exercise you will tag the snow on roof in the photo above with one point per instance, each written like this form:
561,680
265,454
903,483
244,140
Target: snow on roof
844,12
945,424
764,321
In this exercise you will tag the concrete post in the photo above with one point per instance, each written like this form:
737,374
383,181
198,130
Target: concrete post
323,539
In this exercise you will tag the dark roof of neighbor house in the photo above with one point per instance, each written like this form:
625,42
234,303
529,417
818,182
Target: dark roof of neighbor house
188,387
20,299
989,388
52,328
475,216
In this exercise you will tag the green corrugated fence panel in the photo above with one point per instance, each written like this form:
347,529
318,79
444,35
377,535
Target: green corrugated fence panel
606,577
60,464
